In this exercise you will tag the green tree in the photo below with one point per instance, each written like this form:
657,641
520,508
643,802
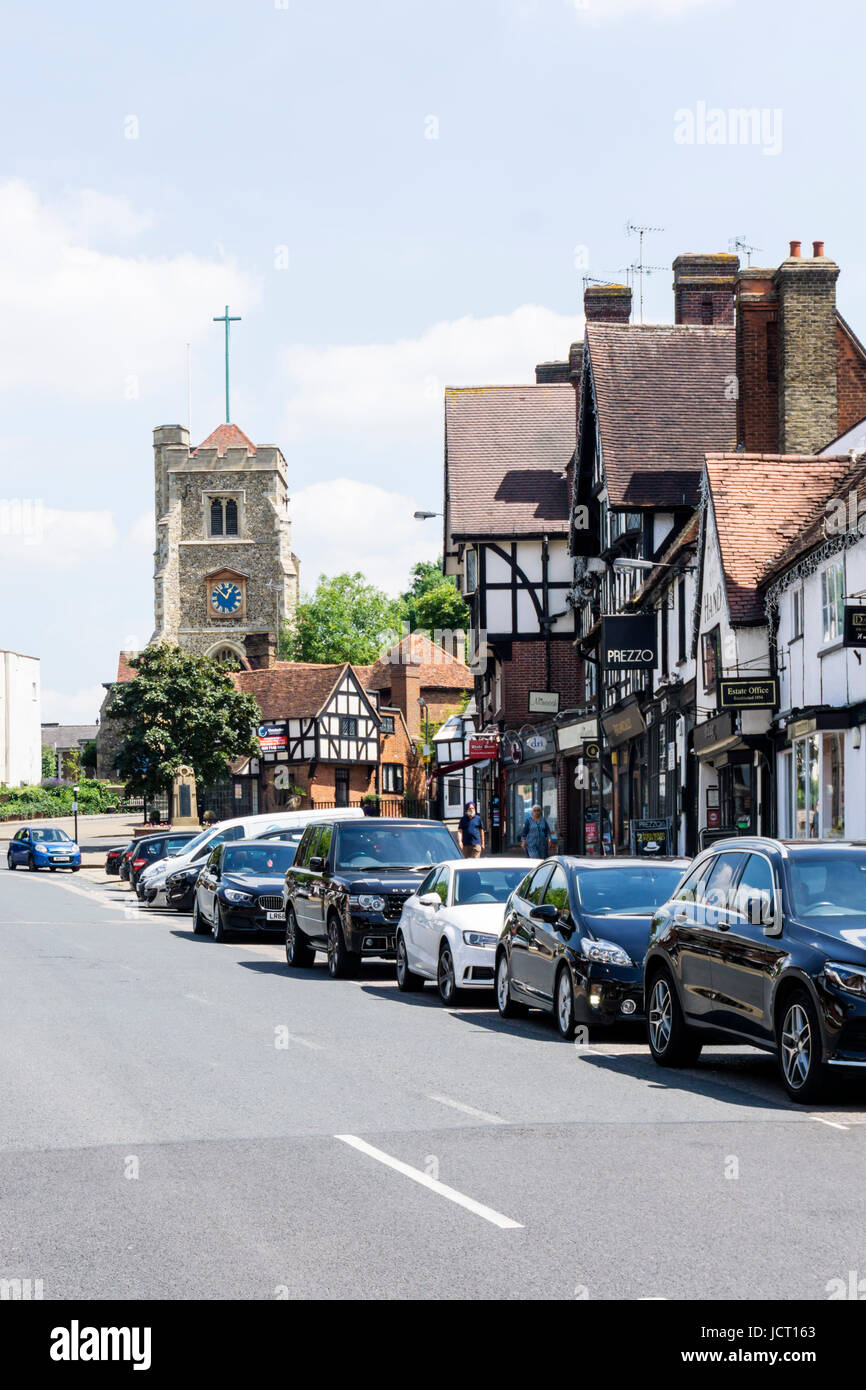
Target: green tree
180,709
88,756
344,619
49,762
433,600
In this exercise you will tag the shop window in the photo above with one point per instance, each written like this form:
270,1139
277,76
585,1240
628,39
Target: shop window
819,787
832,601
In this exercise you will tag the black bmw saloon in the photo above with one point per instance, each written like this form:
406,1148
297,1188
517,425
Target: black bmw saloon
574,937
764,942
240,888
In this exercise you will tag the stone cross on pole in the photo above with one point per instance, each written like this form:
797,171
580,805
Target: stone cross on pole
224,318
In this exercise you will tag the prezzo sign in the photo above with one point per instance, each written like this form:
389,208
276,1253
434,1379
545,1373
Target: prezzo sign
630,643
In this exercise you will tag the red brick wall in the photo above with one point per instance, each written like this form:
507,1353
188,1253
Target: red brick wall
526,671
851,381
758,393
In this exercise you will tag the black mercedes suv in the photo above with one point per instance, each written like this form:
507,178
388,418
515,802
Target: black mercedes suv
764,942
345,891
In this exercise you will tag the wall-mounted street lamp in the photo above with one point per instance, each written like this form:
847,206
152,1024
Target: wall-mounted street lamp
425,516
645,566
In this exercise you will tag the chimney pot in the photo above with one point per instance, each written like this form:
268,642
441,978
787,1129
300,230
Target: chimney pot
795,249
817,248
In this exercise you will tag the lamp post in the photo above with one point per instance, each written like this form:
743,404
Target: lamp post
426,709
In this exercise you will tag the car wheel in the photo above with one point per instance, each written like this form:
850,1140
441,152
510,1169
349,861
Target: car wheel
299,953
52,868
75,868
504,1002
803,1073
199,925
342,963
31,864
218,931
10,862
446,977
564,1008
407,981
672,1043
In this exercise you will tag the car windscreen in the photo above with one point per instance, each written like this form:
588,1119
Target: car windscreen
635,891
485,885
828,888
197,839
392,846
260,861
48,833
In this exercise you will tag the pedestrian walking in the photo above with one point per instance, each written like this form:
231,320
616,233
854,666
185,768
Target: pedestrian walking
537,836
470,832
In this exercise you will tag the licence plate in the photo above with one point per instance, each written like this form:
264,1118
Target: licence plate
59,859
275,917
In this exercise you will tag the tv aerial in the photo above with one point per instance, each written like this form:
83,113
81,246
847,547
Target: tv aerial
639,268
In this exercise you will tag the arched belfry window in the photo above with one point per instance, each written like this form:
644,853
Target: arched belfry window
224,516
228,658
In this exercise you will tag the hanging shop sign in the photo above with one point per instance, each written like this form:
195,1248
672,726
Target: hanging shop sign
748,692
544,702
623,724
573,736
650,838
629,642
483,746
854,630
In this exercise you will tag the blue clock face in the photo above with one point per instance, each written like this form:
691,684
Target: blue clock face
226,597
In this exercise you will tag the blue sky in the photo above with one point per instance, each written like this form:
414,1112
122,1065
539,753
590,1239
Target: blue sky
265,135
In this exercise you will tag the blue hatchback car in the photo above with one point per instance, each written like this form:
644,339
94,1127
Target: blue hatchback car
43,847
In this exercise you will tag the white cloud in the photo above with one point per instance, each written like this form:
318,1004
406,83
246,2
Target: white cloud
91,323
73,707
598,11
33,536
141,532
341,525
395,390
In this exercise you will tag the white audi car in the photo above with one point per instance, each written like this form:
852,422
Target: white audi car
449,928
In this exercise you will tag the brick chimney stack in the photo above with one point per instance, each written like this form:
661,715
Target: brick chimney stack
607,303
704,287
406,684
261,650
808,400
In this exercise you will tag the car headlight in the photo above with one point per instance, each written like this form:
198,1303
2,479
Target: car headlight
368,901
479,938
847,977
604,952
234,895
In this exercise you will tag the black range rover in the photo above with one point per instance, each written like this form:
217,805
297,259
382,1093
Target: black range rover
346,889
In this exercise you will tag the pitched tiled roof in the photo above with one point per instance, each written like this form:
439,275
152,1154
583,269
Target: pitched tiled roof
438,669
290,689
227,437
506,452
762,503
124,670
813,533
662,396
68,735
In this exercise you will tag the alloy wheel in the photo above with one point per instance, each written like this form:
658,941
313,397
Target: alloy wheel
446,979
660,1015
796,1046
564,1003
401,962
502,982
333,950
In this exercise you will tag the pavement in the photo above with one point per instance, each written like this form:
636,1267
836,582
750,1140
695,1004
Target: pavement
181,1119
96,834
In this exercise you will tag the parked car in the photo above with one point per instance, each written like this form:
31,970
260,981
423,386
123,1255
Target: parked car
450,925
575,935
43,847
112,859
178,888
764,942
125,857
152,849
240,889
346,890
152,880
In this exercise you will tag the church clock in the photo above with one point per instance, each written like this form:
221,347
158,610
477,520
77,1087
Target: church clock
226,594
226,598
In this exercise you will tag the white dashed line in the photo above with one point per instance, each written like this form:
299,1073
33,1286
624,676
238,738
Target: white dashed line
469,1110
432,1184
819,1120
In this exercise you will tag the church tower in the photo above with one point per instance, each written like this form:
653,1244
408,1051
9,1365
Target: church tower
224,566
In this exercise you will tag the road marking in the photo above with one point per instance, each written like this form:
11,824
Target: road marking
305,1042
432,1184
469,1110
819,1120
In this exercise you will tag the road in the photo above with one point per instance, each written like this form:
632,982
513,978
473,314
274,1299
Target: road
182,1119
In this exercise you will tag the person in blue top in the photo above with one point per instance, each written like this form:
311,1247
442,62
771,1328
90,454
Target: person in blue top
470,832
537,835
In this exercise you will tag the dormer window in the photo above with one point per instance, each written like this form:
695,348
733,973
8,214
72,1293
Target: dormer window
223,516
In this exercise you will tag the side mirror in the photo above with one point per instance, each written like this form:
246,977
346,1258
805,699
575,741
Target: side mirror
430,900
545,912
762,911
316,864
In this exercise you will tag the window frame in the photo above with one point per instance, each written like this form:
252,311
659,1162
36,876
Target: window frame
832,604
